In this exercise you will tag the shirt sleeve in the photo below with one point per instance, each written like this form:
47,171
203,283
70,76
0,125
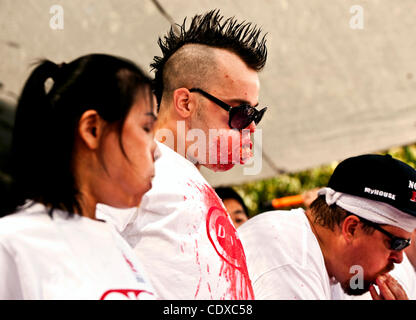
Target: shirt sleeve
10,283
405,274
289,282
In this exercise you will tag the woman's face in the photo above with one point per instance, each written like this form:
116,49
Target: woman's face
129,174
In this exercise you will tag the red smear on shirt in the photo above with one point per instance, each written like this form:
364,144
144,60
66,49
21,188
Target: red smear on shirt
199,264
130,264
224,238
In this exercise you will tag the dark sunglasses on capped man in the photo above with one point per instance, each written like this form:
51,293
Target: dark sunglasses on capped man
240,116
396,243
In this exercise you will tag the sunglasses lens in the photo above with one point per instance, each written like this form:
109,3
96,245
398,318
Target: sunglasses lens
399,244
242,116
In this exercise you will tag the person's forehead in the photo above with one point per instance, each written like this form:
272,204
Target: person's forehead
232,202
230,67
238,84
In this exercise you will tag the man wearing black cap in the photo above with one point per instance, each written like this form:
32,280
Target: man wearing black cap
352,236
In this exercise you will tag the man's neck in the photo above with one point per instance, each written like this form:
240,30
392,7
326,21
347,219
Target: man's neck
172,133
166,131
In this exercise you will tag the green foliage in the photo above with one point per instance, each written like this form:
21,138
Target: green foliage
258,195
406,154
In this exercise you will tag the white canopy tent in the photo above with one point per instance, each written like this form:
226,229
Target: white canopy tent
335,85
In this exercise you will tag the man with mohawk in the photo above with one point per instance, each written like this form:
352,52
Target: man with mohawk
206,79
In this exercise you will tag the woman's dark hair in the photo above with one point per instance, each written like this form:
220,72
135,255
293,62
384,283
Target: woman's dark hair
47,115
213,30
229,193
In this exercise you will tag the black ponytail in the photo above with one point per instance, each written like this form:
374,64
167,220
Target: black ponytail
33,108
47,115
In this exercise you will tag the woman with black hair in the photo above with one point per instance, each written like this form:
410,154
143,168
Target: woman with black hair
82,136
234,204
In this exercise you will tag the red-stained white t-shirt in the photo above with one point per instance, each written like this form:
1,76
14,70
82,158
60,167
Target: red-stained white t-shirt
183,235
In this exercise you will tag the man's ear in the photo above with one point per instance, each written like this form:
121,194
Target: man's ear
349,227
183,102
90,127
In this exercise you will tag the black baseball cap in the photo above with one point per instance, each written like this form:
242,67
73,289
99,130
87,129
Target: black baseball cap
377,177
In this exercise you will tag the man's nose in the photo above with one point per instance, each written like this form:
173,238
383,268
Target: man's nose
155,151
396,256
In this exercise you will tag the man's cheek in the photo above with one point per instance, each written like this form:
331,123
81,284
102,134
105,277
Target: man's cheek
231,151
246,151
246,146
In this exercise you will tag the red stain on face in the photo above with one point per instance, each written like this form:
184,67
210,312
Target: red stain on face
230,148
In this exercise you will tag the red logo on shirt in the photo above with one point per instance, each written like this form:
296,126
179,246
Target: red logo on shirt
226,243
126,294
223,236
224,239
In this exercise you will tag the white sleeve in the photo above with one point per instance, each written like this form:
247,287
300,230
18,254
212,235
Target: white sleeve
289,282
10,282
405,274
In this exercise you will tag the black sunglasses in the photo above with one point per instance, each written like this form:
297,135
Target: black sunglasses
396,243
241,116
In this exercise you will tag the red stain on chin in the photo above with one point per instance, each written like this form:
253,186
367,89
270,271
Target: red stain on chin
222,167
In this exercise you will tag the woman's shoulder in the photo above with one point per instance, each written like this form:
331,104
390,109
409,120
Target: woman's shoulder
25,219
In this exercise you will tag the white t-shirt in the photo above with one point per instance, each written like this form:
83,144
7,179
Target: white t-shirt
66,258
183,236
405,274
284,259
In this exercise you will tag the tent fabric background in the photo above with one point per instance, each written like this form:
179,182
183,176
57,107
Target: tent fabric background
332,91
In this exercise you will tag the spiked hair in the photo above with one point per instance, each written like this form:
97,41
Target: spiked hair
211,29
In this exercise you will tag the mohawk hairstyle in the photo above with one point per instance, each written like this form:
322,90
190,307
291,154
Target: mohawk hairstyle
209,29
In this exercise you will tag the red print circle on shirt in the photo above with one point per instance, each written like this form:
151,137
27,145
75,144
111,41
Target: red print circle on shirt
224,238
126,294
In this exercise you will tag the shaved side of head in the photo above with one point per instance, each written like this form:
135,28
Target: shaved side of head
193,65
